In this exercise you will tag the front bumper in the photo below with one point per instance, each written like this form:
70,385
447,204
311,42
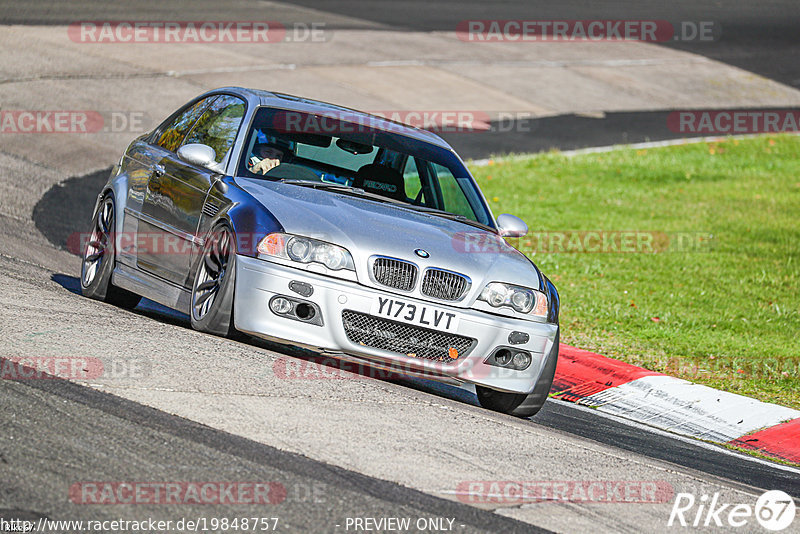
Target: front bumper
258,281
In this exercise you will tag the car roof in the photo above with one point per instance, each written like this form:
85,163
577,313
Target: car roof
296,103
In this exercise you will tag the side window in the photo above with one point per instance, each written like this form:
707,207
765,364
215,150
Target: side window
412,178
173,134
217,127
454,199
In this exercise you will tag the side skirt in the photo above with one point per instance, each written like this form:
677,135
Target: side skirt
152,287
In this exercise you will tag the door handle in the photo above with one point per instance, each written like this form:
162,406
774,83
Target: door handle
157,170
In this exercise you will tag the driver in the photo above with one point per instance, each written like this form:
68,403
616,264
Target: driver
265,157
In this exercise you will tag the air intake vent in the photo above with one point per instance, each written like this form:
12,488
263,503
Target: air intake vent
444,285
397,274
411,341
210,209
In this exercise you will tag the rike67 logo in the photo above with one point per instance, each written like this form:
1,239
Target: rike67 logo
774,510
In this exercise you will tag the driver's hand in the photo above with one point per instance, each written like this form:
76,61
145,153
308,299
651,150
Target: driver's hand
265,165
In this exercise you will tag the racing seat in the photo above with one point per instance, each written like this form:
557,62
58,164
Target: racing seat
381,180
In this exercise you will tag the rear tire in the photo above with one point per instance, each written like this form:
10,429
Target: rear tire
214,283
520,404
99,258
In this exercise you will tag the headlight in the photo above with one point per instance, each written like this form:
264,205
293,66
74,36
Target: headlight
300,249
306,250
521,299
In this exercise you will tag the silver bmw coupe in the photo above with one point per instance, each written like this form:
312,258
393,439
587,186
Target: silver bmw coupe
319,226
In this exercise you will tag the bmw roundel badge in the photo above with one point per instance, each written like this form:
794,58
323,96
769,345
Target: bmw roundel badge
422,253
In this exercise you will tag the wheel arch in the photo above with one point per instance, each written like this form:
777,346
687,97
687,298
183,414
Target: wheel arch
249,219
117,188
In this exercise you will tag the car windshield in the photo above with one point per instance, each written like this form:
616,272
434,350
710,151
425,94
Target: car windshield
351,152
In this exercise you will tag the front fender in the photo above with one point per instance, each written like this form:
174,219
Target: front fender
248,218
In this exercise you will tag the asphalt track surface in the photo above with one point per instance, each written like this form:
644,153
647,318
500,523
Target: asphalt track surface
127,441
101,416
55,432
760,37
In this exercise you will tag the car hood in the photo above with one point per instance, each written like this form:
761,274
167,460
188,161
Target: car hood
366,228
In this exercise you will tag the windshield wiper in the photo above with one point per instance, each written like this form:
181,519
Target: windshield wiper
346,189
323,185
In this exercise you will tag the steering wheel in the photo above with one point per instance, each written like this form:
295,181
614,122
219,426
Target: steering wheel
291,171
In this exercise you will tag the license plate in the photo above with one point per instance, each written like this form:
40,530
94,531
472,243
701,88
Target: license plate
415,314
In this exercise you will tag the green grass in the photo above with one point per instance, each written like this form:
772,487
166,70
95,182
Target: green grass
725,314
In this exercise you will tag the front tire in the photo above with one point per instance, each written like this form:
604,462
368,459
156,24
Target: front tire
214,282
520,404
99,258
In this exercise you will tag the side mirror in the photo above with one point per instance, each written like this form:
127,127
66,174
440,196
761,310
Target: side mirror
199,154
511,226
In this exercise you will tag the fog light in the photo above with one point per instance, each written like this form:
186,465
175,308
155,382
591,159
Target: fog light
280,305
522,360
